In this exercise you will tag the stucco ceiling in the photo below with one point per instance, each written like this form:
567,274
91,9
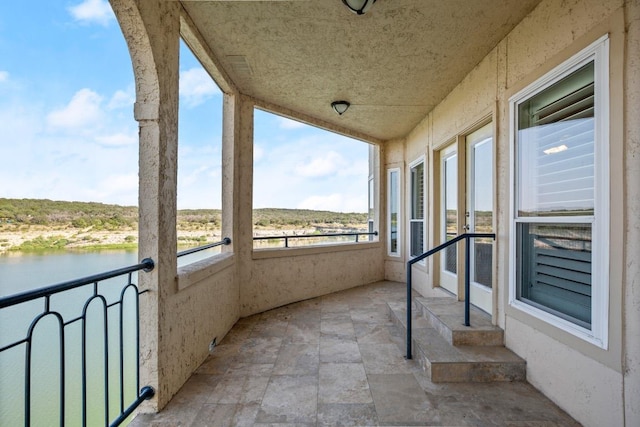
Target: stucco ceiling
393,64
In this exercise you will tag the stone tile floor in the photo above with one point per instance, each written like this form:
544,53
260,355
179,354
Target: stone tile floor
336,360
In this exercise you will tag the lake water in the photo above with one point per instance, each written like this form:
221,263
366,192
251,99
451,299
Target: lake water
20,272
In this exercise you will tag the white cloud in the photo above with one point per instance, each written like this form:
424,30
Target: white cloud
285,123
122,99
66,154
92,11
4,76
196,86
192,177
83,110
328,164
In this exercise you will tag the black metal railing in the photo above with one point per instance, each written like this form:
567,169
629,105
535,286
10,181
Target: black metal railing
310,236
69,310
225,241
467,282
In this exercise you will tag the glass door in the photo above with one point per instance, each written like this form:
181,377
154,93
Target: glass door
479,213
466,206
449,218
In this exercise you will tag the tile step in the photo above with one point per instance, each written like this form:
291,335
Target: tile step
444,362
446,315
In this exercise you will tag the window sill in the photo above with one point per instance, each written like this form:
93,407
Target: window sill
557,322
200,270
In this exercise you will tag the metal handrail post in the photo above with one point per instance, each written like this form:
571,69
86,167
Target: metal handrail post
467,282
467,237
409,312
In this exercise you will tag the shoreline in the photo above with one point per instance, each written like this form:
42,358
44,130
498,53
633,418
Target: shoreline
40,238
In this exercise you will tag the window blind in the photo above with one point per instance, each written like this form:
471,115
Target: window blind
556,148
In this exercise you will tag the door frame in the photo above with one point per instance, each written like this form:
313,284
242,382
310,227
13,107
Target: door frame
480,295
460,141
447,280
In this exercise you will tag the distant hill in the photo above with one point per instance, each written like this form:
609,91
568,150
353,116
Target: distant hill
100,216
77,214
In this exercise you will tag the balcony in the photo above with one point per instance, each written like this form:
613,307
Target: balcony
338,360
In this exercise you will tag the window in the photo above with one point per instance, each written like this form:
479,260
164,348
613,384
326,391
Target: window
199,192
449,178
372,192
560,239
309,181
393,226
417,208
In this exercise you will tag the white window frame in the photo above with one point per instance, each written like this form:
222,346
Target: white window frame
598,52
446,153
398,252
371,208
412,165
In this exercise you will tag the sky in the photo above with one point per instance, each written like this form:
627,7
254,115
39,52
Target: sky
67,130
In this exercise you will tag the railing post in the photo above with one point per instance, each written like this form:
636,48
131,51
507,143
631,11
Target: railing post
409,310
467,282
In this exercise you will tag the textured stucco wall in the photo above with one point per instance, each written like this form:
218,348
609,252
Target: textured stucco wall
631,308
551,27
393,157
587,389
194,316
278,280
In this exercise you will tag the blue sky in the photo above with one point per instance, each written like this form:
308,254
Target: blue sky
67,129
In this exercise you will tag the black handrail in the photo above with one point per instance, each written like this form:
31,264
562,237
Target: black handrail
467,285
146,265
46,293
301,236
146,393
225,241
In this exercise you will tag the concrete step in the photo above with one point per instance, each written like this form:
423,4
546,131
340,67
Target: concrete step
444,362
446,315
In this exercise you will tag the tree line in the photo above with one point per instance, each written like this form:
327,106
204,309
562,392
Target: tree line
100,216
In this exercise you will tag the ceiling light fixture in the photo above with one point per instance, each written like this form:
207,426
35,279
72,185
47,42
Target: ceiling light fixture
359,6
340,106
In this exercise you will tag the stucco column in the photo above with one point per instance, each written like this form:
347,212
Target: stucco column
631,346
241,108
151,29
